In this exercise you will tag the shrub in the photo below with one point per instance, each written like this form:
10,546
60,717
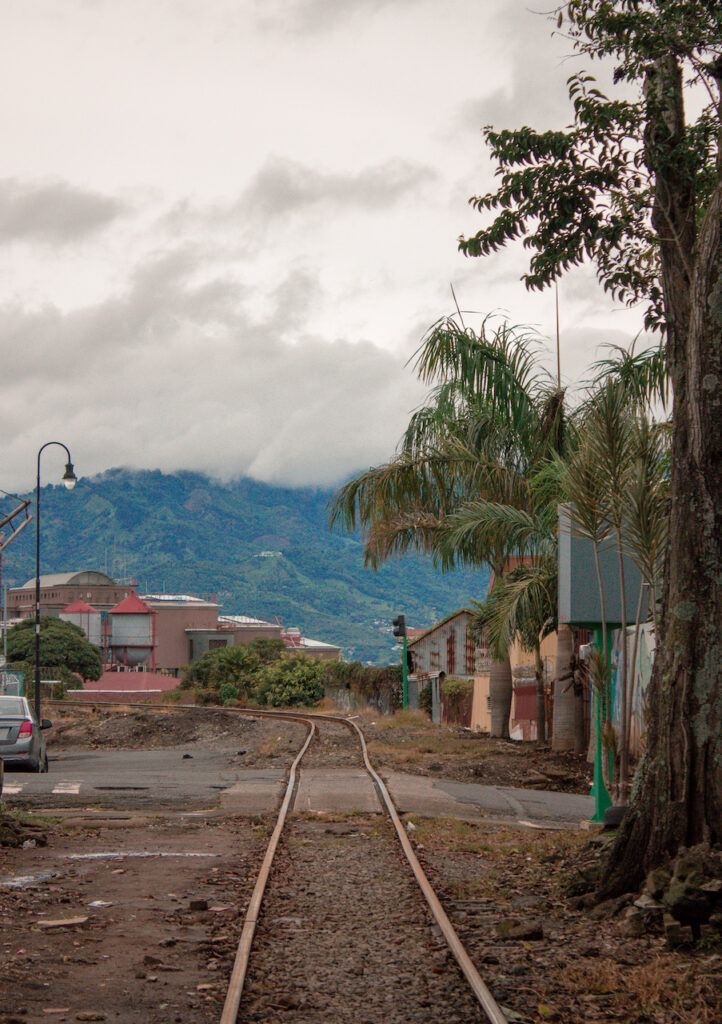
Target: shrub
228,693
290,681
62,645
373,683
455,692
426,702
236,665
204,697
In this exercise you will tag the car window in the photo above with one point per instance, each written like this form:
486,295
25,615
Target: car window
12,707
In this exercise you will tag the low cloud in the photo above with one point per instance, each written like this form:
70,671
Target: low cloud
283,187
178,374
52,211
318,15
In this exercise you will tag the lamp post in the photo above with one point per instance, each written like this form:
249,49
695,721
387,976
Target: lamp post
70,480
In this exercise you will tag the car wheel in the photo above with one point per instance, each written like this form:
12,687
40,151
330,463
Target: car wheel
45,766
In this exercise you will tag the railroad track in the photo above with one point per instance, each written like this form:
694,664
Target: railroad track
313,722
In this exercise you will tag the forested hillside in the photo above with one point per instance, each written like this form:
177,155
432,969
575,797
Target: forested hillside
263,550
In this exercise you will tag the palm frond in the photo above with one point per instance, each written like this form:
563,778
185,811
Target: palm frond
499,363
488,524
643,376
521,606
646,504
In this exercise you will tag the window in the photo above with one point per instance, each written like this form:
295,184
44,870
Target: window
469,653
214,645
451,653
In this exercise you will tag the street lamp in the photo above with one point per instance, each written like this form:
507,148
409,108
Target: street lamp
69,480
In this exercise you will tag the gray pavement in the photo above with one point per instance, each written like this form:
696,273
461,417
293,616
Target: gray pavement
419,794
335,789
138,779
216,779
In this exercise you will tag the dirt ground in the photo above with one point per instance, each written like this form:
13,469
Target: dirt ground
265,742
580,966
138,952
409,741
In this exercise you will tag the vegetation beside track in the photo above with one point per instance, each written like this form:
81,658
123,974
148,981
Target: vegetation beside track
408,741
585,965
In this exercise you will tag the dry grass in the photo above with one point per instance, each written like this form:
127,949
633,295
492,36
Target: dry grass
661,990
497,842
409,737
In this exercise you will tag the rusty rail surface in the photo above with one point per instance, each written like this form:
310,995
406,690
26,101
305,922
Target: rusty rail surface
483,995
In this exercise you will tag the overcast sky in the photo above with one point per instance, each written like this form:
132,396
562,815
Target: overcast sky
225,224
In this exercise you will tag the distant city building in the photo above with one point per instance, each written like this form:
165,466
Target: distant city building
312,648
58,590
153,632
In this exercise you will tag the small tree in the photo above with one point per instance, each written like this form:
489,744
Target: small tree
236,665
62,646
290,681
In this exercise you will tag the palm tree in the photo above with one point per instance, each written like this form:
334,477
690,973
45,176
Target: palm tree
615,481
522,605
492,416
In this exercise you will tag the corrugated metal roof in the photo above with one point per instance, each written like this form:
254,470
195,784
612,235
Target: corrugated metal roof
244,620
308,642
437,625
295,639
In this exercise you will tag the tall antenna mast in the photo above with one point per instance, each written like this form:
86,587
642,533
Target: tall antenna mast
461,318
559,355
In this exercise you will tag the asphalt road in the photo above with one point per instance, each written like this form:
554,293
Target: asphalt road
140,779
202,779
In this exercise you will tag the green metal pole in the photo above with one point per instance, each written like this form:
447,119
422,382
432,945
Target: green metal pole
599,791
404,676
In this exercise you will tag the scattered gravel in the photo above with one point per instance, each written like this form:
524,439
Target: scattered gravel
333,746
345,935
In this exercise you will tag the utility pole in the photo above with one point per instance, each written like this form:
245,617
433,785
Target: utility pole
559,349
400,631
16,526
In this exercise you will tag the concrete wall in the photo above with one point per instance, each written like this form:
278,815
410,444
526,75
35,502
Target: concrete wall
480,705
21,603
247,634
639,676
171,621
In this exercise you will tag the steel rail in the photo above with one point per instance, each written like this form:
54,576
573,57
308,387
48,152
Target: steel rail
486,1000
243,953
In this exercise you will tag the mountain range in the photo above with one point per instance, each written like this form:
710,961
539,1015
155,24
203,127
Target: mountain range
262,550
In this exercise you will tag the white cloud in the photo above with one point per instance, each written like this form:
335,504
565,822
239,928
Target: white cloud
176,374
220,243
318,15
53,211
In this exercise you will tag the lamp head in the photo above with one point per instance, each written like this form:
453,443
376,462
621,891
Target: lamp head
69,477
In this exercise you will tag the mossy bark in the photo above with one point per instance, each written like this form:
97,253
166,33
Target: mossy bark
677,795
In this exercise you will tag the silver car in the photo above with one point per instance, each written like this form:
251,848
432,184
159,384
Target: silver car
21,740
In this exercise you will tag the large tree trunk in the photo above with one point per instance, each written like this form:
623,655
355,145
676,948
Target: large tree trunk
563,712
677,797
500,692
